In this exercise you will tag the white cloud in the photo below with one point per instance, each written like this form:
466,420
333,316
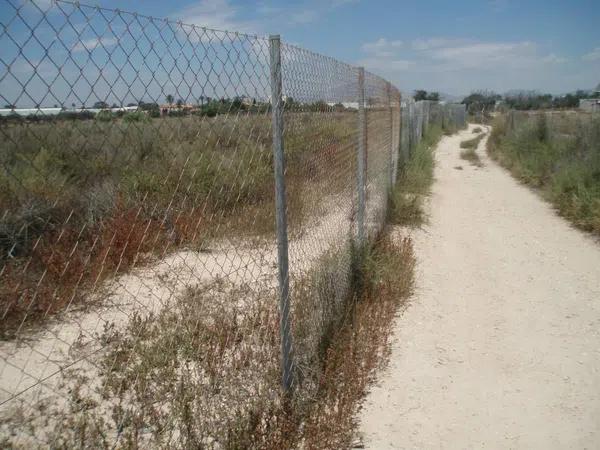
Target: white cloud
553,59
94,43
459,54
443,54
431,43
382,48
303,17
486,54
461,65
387,64
454,54
266,9
216,15
594,55
316,11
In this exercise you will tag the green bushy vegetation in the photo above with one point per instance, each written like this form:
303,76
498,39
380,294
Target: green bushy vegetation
414,181
485,101
99,196
557,153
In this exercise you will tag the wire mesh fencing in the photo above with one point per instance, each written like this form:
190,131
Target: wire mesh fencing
416,118
173,201
572,132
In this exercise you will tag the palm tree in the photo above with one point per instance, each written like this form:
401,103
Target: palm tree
170,99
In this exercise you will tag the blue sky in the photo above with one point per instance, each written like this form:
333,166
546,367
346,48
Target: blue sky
451,46
454,47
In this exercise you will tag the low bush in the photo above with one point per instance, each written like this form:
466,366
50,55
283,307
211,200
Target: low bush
136,116
105,116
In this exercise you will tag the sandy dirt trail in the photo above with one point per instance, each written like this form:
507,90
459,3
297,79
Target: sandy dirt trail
500,347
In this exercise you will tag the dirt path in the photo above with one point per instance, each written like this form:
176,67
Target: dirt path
500,347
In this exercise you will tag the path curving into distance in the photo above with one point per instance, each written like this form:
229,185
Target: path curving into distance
500,347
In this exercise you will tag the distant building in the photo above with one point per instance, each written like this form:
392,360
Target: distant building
248,101
590,104
25,112
30,111
169,108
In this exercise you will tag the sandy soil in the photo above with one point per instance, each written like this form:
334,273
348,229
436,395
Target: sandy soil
500,347
31,367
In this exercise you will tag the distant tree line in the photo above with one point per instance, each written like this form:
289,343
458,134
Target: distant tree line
535,100
481,101
206,106
524,100
424,95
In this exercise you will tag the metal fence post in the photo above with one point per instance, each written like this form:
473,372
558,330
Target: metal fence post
399,155
280,214
361,152
391,120
409,124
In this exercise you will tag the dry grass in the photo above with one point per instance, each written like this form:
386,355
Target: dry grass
361,346
204,373
84,201
472,143
471,156
559,153
470,152
414,181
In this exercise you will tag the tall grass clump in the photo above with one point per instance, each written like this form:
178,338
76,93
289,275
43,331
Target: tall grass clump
470,150
559,153
472,143
414,181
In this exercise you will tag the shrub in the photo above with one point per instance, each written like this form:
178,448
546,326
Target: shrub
136,116
558,153
104,116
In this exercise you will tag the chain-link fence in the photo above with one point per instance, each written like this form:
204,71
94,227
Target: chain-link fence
179,212
574,134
